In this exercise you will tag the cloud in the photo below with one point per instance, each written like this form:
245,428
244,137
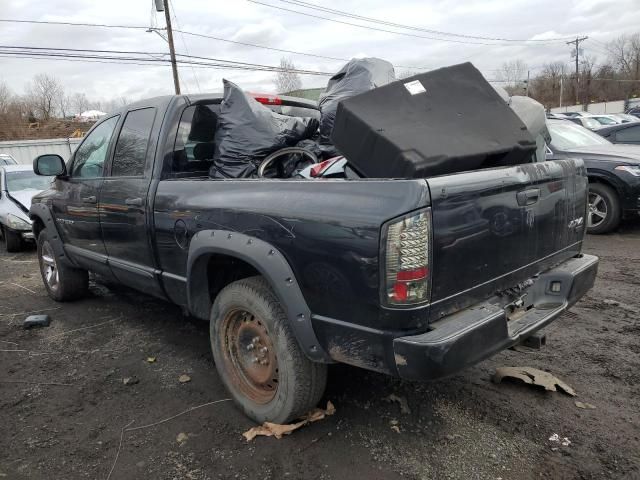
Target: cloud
267,32
247,22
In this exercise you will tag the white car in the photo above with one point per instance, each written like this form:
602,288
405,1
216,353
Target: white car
18,185
606,120
6,159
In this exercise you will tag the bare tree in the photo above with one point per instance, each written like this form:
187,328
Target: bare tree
513,74
287,79
79,103
625,53
64,104
5,98
44,94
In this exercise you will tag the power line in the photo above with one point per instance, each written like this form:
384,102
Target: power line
202,35
407,34
342,13
117,55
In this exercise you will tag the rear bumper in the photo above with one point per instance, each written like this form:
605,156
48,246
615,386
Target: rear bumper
471,335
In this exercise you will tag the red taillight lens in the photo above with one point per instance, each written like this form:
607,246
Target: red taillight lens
319,168
267,99
407,259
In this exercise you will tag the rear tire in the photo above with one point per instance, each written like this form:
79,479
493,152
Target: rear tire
63,283
12,240
258,357
604,213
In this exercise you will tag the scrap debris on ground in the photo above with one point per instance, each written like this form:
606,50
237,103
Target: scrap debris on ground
277,430
533,376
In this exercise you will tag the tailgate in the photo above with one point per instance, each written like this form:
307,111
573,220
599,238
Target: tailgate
496,228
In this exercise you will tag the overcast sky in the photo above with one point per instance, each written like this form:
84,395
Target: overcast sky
243,21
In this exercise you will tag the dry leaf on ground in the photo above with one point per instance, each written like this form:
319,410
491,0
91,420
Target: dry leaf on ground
533,376
269,429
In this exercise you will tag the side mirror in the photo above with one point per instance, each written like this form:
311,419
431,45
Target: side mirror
49,165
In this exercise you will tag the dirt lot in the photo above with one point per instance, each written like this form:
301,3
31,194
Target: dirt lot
63,402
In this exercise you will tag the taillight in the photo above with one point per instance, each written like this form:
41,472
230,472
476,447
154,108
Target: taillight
406,259
267,99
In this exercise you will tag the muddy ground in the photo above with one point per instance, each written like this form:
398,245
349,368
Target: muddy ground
63,402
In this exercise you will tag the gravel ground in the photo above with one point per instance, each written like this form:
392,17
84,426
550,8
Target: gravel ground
63,403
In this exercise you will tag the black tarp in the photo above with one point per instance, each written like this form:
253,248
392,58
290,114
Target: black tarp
248,131
357,76
440,122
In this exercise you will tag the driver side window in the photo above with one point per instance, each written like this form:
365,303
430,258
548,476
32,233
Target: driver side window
92,153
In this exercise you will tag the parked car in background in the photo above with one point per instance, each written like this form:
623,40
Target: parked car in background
613,172
625,133
18,185
586,122
605,119
625,118
635,111
575,114
6,159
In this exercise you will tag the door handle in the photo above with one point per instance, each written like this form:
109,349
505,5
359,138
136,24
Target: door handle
528,197
90,199
136,202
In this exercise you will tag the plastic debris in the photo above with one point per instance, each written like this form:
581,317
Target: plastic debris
585,405
184,378
402,401
151,359
564,441
533,376
36,321
277,430
182,437
357,76
248,131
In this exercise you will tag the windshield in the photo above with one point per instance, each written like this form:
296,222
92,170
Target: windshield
566,135
606,120
591,123
26,180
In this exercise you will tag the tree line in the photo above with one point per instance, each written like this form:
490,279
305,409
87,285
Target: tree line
615,75
45,98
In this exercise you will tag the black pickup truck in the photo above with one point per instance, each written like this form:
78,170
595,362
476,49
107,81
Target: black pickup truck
414,278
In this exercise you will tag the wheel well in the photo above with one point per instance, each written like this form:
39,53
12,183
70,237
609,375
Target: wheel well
604,182
209,275
37,226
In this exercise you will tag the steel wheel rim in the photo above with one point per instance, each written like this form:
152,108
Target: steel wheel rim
597,210
49,266
249,355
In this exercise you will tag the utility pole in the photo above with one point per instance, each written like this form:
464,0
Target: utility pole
576,42
172,50
528,78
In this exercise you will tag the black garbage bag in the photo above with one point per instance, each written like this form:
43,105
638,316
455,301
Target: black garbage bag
357,76
248,131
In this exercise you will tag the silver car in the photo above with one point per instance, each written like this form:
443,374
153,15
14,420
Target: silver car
18,185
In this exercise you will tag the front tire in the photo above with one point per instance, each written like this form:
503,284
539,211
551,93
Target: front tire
63,283
604,213
12,240
258,357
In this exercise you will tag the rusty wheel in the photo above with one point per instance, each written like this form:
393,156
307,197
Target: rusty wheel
258,357
249,355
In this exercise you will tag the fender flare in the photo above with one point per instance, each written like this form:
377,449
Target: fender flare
271,264
42,212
